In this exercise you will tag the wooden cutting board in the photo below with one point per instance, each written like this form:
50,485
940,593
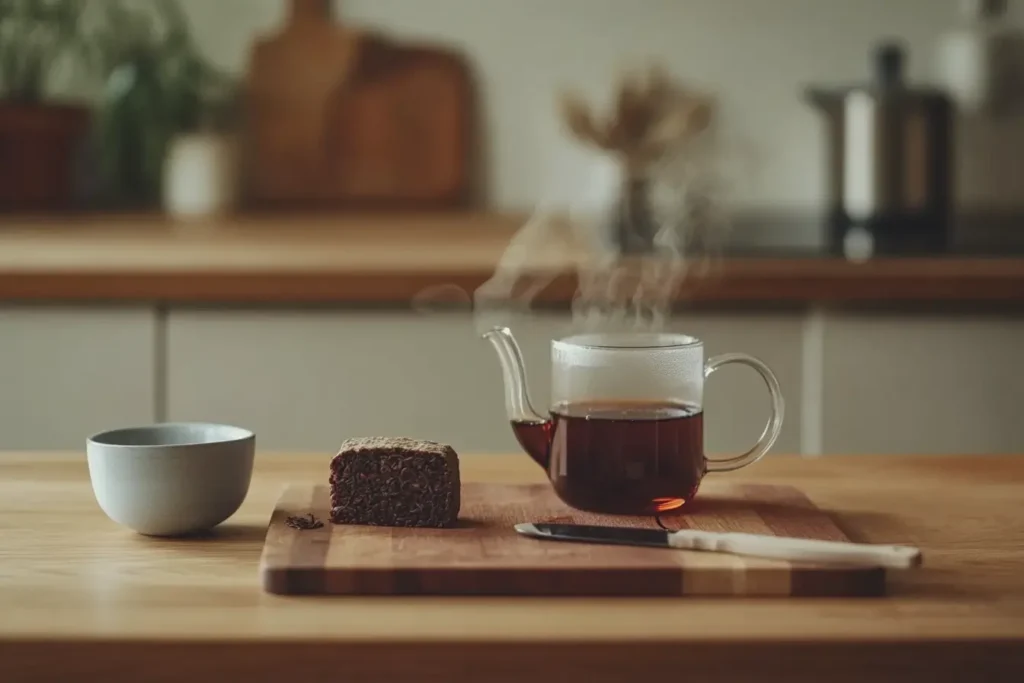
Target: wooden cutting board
345,118
483,555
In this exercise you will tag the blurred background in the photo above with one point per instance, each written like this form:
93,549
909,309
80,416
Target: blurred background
223,211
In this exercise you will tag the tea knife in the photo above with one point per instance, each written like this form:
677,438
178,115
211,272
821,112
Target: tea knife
772,547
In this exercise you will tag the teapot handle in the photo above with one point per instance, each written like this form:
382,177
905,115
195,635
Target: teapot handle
771,428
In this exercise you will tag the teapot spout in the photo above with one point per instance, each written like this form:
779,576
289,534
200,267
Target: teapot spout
513,371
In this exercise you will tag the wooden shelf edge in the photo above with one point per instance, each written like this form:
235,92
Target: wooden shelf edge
387,259
803,282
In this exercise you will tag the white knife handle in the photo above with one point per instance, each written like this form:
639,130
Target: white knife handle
798,549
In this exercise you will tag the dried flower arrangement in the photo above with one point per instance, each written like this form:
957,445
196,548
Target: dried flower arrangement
651,122
664,223
666,211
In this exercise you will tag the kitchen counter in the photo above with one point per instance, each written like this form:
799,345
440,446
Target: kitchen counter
389,259
84,599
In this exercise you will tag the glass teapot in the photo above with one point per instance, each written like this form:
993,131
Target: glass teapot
625,429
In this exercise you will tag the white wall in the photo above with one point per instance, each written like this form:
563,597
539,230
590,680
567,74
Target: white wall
757,56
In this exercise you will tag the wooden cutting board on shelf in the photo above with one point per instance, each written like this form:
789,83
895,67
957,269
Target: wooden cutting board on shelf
338,117
483,555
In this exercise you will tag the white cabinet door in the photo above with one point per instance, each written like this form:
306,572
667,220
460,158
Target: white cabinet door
736,401
306,380
66,373
923,384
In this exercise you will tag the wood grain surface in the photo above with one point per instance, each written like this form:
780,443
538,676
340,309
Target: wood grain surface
483,555
347,117
84,599
390,259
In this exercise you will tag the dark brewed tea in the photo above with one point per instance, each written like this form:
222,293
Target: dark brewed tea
626,458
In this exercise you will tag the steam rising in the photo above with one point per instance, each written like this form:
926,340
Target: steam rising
662,223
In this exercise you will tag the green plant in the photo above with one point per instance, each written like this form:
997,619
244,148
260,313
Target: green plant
156,84
157,36
34,36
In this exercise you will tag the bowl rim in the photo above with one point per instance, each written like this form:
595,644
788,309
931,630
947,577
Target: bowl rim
230,434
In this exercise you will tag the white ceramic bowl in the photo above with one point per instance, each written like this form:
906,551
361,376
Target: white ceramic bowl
171,479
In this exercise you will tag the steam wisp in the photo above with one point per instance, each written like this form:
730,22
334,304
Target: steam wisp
663,225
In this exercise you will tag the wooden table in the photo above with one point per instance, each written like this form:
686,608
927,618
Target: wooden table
82,599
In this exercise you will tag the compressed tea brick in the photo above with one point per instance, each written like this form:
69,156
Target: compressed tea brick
395,482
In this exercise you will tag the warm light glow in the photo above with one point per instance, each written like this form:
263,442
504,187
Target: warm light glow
666,504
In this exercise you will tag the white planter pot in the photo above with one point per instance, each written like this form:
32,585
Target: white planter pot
200,176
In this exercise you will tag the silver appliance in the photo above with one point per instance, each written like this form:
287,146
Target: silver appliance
890,148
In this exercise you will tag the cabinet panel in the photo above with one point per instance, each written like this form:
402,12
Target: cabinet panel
736,402
305,380
66,373
923,384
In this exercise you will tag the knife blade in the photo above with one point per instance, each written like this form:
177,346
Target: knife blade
754,545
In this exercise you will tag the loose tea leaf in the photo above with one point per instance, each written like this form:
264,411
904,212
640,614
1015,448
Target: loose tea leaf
395,482
304,522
